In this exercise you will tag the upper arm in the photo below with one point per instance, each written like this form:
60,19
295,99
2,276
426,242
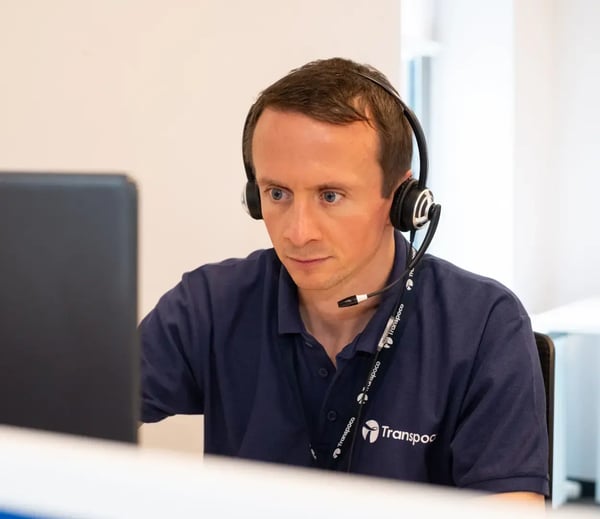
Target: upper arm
172,337
501,442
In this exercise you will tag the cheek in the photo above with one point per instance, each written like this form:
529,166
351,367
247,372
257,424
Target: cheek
370,221
273,225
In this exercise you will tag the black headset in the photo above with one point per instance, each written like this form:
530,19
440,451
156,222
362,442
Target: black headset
412,206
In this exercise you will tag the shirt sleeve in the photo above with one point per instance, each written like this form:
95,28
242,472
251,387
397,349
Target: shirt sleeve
501,442
172,338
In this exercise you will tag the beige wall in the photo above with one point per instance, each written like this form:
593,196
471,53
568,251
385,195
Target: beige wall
160,89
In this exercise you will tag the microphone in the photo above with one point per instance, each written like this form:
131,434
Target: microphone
434,218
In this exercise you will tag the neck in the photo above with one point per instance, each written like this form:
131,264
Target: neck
336,327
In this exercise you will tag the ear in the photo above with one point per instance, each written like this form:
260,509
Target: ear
408,174
404,178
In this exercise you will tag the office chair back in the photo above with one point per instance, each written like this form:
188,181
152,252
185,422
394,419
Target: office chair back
545,347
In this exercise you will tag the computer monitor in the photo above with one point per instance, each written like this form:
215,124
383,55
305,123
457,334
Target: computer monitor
68,303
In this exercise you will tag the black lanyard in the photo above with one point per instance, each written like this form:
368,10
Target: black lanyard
381,361
385,347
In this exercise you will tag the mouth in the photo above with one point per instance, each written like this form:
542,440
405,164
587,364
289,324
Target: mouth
307,262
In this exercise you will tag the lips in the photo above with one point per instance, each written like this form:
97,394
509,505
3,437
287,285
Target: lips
307,260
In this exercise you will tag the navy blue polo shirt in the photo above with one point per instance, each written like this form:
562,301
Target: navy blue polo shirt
460,401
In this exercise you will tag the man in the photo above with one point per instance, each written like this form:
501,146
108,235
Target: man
436,379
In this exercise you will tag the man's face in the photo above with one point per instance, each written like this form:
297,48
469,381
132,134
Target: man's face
320,187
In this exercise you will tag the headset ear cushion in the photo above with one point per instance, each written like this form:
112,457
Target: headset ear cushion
251,200
401,210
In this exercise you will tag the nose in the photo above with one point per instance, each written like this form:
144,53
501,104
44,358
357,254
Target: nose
302,223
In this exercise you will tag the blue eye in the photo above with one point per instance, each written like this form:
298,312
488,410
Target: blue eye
330,196
276,193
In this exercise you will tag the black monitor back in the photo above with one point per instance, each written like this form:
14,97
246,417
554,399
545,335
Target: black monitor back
68,304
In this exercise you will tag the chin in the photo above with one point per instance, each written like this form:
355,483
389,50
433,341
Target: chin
307,284
313,282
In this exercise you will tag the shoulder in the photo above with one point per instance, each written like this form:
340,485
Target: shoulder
235,274
468,314
215,287
446,284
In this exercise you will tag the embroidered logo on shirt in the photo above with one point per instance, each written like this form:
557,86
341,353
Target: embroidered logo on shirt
371,430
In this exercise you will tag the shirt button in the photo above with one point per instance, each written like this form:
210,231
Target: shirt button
323,372
331,416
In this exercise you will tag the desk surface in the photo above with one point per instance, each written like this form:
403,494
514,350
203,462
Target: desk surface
578,317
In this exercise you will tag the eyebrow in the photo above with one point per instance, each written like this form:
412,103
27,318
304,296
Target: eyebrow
265,181
327,186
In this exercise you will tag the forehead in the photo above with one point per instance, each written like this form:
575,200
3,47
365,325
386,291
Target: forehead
285,141
292,121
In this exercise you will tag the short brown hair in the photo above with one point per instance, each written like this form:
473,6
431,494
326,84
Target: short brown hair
334,91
